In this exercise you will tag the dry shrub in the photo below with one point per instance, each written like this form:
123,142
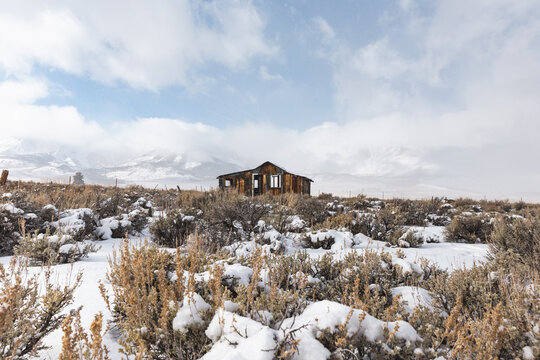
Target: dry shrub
77,344
359,202
326,197
338,222
358,280
521,236
363,223
47,249
476,339
500,206
365,281
86,223
385,224
280,218
8,232
324,243
312,210
104,201
494,309
355,281
473,286
110,206
48,213
231,217
282,213
13,224
146,302
187,199
502,331
403,237
469,228
62,196
414,212
464,202
30,309
172,229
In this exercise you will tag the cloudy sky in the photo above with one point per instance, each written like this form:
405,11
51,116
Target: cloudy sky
441,95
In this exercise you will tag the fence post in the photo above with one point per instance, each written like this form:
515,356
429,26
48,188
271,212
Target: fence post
3,178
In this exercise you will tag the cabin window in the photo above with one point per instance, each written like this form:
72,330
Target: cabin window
227,183
275,181
256,183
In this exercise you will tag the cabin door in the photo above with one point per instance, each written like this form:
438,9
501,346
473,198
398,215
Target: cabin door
257,184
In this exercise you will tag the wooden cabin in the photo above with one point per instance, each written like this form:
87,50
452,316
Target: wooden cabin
267,178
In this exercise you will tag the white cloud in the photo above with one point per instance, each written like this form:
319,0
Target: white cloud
406,5
144,44
26,91
458,83
325,28
464,50
379,60
267,76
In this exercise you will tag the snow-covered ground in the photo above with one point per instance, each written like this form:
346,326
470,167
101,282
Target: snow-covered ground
94,268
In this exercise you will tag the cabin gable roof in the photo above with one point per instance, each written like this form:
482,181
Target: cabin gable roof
258,169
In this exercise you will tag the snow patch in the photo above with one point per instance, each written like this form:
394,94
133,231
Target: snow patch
190,313
239,338
10,208
413,297
239,272
406,266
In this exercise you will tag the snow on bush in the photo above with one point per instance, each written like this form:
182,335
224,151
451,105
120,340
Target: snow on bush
190,313
417,235
237,337
438,220
139,219
239,273
413,297
233,274
79,223
407,267
12,209
328,240
49,213
295,223
114,227
53,249
329,315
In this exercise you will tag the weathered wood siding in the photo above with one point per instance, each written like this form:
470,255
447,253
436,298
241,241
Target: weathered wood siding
243,181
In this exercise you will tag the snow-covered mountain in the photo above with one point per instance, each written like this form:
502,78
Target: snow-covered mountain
151,169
